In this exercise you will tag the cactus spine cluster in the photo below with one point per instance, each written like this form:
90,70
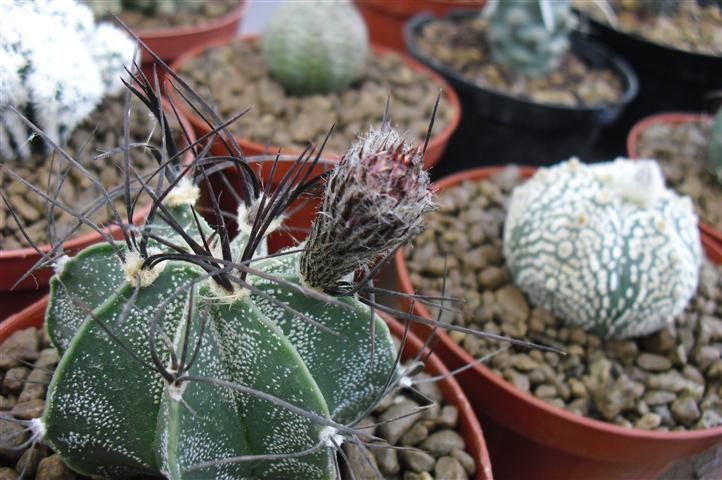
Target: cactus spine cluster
315,47
530,37
714,146
604,246
40,76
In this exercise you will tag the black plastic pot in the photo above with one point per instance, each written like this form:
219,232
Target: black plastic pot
497,128
669,79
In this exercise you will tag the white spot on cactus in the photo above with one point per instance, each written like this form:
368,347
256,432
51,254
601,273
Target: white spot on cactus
221,295
59,265
134,271
185,192
329,435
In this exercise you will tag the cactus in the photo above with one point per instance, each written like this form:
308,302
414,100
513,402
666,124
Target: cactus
714,146
606,246
191,355
315,47
53,88
530,37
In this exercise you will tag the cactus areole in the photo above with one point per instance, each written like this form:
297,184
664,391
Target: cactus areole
605,246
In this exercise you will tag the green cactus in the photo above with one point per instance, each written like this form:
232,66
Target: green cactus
714,147
315,47
604,246
529,37
191,355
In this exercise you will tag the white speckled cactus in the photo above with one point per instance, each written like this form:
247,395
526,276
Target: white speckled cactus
529,36
315,47
714,146
605,246
56,67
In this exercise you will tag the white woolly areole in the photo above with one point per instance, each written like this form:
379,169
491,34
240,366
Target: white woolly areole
37,428
580,242
59,265
245,217
329,435
221,295
406,382
175,392
134,273
185,192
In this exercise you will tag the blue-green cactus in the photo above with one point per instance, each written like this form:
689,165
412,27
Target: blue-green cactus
315,47
531,36
604,246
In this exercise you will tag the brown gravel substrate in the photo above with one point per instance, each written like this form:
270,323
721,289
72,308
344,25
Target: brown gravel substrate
27,362
235,77
671,380
102,131
461,45
694,27
208,12
681,150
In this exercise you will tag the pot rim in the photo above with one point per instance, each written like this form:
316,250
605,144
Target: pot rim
82,241
674,118
561,415
619,65
435,140
34,316
184,30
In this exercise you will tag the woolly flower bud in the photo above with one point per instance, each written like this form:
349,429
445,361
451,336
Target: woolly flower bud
374,201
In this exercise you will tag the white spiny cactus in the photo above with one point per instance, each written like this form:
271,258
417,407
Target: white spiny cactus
56,67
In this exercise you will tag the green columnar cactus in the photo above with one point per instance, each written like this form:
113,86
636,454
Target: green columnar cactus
604,246
714,147
530,37
315,47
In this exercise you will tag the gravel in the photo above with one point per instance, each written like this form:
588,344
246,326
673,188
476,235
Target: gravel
668,381
100,132
235,77
208,11
461,46
681,151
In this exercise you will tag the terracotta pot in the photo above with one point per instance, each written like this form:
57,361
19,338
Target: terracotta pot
169,43
554,443
673,118
469,427
15,263
436,147
385,19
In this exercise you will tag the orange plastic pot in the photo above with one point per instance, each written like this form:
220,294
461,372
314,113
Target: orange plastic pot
672,118
16,263
436,146
529,438
385,19
169,43
469,428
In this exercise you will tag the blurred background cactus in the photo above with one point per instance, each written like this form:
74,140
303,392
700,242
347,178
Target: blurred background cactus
42,80
530,37
315,47
605,246
104,8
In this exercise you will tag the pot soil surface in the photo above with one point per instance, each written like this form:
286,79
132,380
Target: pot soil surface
667,381
28,361
102,131
681,150
695,28
461,46
207,12
235,77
